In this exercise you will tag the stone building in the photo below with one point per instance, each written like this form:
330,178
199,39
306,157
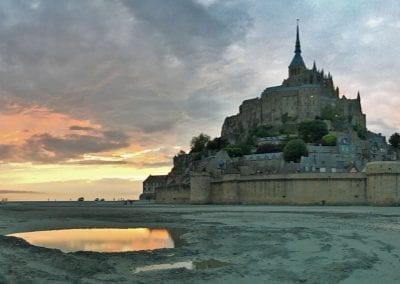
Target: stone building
303,95
150,184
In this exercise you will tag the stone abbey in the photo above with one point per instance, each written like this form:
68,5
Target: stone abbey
357,167
305,94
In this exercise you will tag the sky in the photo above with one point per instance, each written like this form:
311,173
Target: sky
96,95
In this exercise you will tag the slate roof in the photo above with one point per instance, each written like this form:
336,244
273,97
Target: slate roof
154,179
297,60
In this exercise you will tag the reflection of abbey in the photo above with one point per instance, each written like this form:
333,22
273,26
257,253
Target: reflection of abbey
357,167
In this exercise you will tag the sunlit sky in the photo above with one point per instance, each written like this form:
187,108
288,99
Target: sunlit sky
96,95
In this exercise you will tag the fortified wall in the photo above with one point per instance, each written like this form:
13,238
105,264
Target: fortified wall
306,94
379,185
383,183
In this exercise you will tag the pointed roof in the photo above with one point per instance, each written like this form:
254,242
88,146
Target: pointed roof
297,48
297,59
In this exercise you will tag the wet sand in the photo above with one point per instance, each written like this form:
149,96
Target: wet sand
214,244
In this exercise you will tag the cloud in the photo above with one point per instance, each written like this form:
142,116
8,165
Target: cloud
46,148
162,71
115,62
81,128
6,151
4,191
99,162
150,165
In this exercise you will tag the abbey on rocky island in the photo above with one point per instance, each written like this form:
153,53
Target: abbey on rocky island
345,164
305,94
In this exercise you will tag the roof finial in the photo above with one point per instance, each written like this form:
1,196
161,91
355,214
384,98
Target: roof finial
297,47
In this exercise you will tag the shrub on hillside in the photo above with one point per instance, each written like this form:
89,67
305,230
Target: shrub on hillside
311,131
294,149
329,140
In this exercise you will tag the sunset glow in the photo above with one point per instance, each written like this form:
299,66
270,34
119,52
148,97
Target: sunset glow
112,90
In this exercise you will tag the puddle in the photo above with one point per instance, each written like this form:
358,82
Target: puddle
190,265
184,264
100,240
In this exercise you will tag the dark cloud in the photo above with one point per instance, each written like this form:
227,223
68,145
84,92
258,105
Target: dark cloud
188,29
46,148
6,151
115,62
173,68
81,128
202,105
124,64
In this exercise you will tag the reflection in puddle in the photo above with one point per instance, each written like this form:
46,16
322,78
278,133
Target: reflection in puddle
199,265
183,264
100,240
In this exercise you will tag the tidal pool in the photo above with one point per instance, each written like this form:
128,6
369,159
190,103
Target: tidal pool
189,265
100,240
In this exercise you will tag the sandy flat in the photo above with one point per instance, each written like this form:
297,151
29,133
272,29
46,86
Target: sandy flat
214,244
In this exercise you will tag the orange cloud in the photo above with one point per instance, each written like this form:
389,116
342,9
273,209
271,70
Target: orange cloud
21,125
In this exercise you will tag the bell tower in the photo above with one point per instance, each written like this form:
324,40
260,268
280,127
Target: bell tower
297,65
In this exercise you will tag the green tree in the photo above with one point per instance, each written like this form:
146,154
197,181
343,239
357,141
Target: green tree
311,131
285,118
394,140
329,139
217,143
361,131
238,150
180,154
330,113
294,149
199,143
269,148
262,131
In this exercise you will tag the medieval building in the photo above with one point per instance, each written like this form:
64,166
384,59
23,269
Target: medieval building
303,95
358,168
150,184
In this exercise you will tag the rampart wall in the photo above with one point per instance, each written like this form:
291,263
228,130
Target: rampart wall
292,189
173,194
383,185
379,185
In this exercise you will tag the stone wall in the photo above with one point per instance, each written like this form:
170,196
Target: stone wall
173,194
380,185
200,188
294,189
383,184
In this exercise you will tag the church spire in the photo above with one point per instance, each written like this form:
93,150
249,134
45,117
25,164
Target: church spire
297,65
297,48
